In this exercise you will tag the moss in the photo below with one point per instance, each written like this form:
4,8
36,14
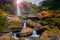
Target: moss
3,22
12,38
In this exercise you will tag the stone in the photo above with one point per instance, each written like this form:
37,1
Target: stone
22,38
57,15
15,25
44,35
26,31
5,37
43,14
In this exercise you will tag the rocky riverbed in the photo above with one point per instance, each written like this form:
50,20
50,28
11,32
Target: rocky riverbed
46,28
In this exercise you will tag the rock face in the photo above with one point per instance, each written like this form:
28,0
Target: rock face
26,31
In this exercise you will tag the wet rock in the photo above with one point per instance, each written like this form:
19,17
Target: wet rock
40,31
26,31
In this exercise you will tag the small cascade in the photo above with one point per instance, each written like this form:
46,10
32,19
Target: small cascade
14,35
24,24
34,34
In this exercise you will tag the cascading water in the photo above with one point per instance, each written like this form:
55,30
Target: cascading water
18,11
24,24
14,35
34,34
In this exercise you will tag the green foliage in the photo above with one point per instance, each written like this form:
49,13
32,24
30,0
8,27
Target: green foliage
33,6
57,11
15,24
33,9
3,22
55,29
52,4
53,19
48,28
12,38
34,12
7,8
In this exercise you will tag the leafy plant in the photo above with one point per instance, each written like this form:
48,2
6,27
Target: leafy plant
53,19
48,29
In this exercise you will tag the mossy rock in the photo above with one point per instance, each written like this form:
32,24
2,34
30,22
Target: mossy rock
26,31
16,25
22,38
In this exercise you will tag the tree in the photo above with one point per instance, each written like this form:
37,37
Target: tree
7,6
52,4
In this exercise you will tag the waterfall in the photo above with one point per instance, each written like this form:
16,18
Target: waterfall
18,11
14,35
24,24
34,34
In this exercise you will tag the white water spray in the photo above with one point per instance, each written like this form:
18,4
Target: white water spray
24,24
34,34
18,11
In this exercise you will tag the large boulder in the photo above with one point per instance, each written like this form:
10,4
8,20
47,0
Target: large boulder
33,24
44,35
26,31
43,14
14,18
15,25
5,37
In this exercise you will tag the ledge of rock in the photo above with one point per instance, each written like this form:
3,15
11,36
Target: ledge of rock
26,31
5,37
15,25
